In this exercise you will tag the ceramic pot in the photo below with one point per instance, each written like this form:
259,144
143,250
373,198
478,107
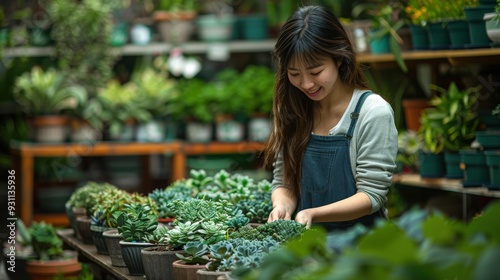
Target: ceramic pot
204,274
112,239
83,226
98,239
158,261
47,270
131,253
183,271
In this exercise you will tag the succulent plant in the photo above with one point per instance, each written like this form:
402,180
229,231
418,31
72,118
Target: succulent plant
85,196
196,252
136,221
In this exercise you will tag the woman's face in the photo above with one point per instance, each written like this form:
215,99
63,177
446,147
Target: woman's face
315,81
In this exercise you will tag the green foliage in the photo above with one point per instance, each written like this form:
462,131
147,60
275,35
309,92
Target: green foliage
419,245
137,221
196,100
85,196
42,92
280,230
81,31
155,91
175,5
423,12
384,23
120,105
109,201
452,122
46,244
195,253
240,255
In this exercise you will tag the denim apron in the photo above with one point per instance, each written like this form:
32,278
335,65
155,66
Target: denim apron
327,175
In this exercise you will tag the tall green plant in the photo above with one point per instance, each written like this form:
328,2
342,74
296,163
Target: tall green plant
81,31
451,124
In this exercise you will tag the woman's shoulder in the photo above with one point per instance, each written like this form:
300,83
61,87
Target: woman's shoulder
372,100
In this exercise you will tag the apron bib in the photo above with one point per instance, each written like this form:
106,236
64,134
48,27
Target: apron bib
327,175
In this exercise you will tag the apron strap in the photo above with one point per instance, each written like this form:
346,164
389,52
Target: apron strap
355,114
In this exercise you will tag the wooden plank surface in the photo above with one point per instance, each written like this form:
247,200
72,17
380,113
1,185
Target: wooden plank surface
89,251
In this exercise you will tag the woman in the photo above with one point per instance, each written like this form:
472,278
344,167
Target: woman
334,143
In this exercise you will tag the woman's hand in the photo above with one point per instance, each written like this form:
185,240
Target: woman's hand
304,217
279,213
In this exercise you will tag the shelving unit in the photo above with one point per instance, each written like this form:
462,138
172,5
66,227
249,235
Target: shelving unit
453,57
24,154
451,186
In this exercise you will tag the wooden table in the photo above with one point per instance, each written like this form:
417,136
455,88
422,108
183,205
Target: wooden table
88,252
24,154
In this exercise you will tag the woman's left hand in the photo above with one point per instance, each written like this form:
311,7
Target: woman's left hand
304,217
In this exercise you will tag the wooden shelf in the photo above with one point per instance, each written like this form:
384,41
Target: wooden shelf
453,57
24,153
443,184
89,252
155,48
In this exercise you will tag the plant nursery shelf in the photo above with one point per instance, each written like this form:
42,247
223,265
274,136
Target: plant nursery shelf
89,252
468,194
24,154
453,57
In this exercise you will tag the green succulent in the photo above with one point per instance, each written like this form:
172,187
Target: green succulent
195,253
136,222
85,196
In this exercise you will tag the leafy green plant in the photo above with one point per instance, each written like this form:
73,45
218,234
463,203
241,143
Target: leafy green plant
81,31
415,249
85,196
155,91
46,244
175,5
423,12
120,106
42,92
452,122
196,100
109,201
383,23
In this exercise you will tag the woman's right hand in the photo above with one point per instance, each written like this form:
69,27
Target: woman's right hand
279,213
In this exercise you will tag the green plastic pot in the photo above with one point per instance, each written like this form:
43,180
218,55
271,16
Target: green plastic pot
476,173
431,165
489,139
493,162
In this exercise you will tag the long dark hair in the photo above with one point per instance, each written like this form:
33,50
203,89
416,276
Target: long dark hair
310,34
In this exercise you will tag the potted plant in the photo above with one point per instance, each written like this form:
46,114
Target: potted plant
195,107
193,258
155,92
384,27
448,126
135,223
17,252
51,258
44,95
256,84
120,110
82,201
175,19
493,25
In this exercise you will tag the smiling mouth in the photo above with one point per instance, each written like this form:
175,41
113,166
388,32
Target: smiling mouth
313,92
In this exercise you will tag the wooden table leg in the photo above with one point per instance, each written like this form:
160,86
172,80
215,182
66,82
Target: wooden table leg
178,166
27,173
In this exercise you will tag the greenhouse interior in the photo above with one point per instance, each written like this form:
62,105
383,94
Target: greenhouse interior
250,139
